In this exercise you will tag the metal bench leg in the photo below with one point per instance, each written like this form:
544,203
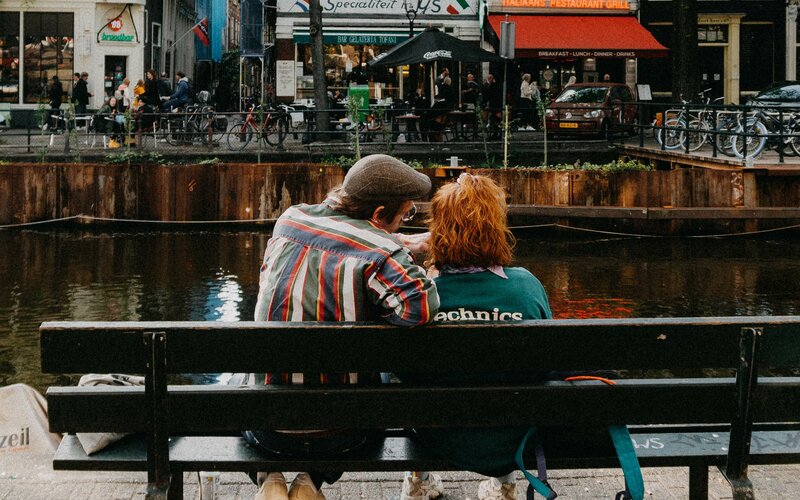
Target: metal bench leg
175,485
741,487
698,482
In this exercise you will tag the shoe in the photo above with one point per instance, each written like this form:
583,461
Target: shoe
112,144
492,489
303,489
273,487
530,127
415,488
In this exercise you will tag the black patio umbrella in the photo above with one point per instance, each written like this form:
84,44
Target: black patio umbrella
433,45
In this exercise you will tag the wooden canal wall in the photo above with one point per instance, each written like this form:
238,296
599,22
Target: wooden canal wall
243,192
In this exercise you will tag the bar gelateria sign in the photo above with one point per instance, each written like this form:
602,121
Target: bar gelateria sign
569,4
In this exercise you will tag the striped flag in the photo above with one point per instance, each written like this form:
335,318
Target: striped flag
201,30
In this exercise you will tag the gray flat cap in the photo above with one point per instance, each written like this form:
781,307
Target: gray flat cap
382,177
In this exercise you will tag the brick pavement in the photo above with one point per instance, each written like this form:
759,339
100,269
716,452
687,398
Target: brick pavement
32,478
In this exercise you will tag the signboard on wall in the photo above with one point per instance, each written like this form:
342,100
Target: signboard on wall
567,4
284,78
384,7
115,24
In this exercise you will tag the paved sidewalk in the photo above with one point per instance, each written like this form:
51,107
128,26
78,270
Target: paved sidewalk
33,479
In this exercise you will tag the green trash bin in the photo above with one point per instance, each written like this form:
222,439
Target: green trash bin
360,93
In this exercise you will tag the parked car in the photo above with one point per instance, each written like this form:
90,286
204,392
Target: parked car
593,108
777,95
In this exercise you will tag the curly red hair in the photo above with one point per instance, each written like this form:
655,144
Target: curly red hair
468,224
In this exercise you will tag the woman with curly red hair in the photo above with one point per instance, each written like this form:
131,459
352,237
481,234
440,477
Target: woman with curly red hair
470,252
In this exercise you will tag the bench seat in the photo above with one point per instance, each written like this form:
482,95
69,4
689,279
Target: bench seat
693,447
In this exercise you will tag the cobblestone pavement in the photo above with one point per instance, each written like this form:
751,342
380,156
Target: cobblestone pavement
33,479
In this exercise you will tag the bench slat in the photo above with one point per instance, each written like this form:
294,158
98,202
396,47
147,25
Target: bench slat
232,408
231,453
661,343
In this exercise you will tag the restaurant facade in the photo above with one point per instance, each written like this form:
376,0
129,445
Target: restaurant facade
46,38
355,32
585,39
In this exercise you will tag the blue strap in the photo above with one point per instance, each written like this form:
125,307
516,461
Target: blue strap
628,460
538,485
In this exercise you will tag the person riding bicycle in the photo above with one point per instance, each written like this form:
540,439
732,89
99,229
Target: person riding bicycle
181,94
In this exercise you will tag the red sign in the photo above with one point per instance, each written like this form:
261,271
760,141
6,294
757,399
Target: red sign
115,24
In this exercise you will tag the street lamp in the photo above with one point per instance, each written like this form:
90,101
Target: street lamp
412,8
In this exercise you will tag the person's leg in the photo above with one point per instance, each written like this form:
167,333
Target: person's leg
421,485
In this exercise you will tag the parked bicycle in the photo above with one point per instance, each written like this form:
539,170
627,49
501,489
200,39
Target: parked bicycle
764,129
197,122
271,125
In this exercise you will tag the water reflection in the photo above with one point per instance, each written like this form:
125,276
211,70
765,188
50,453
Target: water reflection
213,276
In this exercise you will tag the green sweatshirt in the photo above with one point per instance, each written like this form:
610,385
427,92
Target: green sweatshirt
485,296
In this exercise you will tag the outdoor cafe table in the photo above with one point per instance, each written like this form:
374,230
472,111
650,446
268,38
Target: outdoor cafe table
460,120
410,127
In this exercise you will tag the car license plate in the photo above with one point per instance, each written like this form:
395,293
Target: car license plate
568,125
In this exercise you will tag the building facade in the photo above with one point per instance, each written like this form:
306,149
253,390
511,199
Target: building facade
743,46
353,34
45,38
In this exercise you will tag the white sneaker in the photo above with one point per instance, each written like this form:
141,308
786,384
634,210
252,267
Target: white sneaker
492,489
415,488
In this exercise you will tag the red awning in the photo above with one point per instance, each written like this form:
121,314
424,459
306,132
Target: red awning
580,36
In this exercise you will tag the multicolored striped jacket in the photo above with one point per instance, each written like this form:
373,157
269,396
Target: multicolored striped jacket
321,265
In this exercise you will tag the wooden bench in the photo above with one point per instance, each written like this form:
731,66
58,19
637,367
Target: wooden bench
693,421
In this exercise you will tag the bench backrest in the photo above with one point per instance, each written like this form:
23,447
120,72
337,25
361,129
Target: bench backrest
161,348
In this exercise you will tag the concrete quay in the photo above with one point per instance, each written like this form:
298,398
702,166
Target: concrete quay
32,478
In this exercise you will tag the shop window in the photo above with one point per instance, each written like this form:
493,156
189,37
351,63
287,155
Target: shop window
9,56
49,50
712,34
346,65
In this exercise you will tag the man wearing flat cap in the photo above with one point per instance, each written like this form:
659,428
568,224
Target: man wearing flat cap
341,261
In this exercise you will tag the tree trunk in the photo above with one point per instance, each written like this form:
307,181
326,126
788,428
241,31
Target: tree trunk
684,50
318,68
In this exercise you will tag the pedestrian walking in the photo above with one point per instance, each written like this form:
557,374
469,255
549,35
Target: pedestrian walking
55,93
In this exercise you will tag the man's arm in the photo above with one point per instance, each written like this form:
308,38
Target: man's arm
401,288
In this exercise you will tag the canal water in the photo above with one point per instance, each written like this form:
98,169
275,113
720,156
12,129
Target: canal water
213,276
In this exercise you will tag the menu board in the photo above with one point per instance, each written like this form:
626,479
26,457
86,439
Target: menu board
284,78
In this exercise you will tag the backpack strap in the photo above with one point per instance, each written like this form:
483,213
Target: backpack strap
634,484
539,484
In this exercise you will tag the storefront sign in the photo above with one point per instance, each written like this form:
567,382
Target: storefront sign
284,78
353,38
569,4
116,24
385,7
586,53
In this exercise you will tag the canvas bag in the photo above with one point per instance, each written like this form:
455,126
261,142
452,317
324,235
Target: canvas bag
93,442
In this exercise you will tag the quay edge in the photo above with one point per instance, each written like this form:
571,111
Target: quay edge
674,202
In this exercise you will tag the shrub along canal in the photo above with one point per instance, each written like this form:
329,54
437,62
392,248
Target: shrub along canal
212,275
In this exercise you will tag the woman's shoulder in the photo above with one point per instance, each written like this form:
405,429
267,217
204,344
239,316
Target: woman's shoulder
520,273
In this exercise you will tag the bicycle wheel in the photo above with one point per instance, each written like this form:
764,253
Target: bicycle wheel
753,137
725,137
276,130
174,131
670,135
239,135
697,135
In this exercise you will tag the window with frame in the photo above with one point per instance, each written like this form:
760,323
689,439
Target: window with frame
9,56
49,50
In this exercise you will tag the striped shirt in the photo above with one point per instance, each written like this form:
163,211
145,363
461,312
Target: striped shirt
321,265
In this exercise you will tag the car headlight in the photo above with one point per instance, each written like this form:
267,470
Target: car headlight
595,113
549,113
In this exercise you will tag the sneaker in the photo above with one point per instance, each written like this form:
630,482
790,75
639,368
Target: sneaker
303,489
414,488
112,144
272,487
492,489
